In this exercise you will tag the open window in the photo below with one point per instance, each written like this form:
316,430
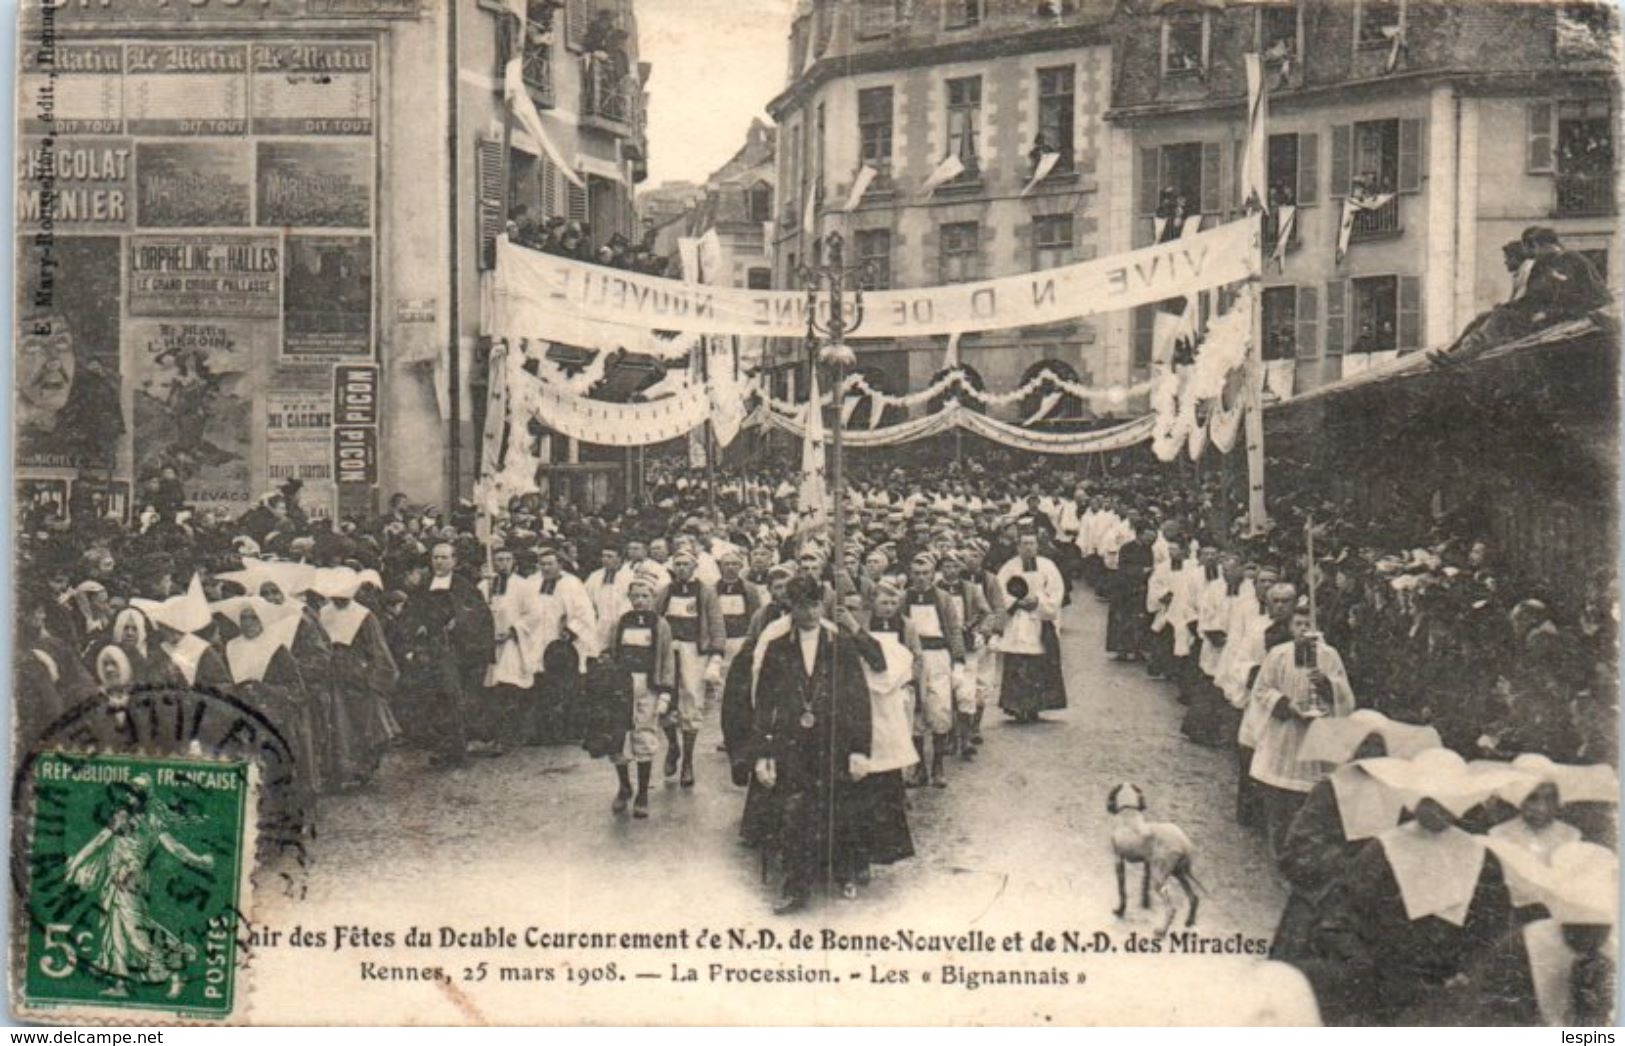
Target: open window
1375,314
1055,103
965,124
1378,22
1178,183
1184,43
875,129
1280,323
1373,161
1278,34
1585,158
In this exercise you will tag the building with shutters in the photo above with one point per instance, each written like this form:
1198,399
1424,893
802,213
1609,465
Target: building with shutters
582,69
1479,119
899,85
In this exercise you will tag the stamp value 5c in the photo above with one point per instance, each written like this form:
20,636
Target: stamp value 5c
137,875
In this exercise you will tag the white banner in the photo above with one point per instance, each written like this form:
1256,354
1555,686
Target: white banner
811,499
1254,165
536,293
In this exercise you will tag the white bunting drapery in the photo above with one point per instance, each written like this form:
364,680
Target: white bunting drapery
616,424
957,416
1190,404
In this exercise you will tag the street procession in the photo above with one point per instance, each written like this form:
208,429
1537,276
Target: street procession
1146,462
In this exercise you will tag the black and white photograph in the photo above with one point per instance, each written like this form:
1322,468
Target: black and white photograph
928,513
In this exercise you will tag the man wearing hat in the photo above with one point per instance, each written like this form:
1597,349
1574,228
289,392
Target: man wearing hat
698,633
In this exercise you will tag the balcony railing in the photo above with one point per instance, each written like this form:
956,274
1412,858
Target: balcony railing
536,69
605,97
1584,194
1380,221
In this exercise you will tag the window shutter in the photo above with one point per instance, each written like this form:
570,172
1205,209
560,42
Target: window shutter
550,188
1308,169
1308,323
1145,203
488,212
1336,317
1342,158
1409,328
576,197
1147,200
1212,178
575,17
1539,153
1239,158
1410,155
1144,328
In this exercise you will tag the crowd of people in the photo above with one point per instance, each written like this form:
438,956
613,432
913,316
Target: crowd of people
573,239
1425,747
835,683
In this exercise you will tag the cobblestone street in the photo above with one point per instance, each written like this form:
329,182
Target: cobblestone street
1017,842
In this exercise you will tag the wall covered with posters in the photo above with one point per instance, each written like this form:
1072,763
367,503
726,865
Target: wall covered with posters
198,254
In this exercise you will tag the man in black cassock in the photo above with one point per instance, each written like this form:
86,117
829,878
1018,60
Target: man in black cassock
1128,622
811,740
451,638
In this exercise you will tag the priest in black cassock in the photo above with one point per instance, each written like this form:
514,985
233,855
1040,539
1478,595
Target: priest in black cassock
811,740
451,638
1127,621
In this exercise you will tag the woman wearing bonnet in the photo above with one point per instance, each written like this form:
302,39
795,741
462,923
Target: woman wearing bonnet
1340,814
1415,904
1557,971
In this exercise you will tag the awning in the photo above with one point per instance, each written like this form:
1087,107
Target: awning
1418,363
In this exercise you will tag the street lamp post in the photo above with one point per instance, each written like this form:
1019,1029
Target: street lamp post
836,353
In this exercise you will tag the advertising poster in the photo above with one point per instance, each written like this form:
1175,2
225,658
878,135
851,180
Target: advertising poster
43,500
79,90
177,88
205,275
68,413
299,446
314,185
313,88
75,184
192,184
194,407
327,297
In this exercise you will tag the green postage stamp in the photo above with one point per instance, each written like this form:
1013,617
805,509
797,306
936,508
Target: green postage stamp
137,875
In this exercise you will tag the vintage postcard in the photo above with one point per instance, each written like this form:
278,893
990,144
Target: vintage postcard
821,512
